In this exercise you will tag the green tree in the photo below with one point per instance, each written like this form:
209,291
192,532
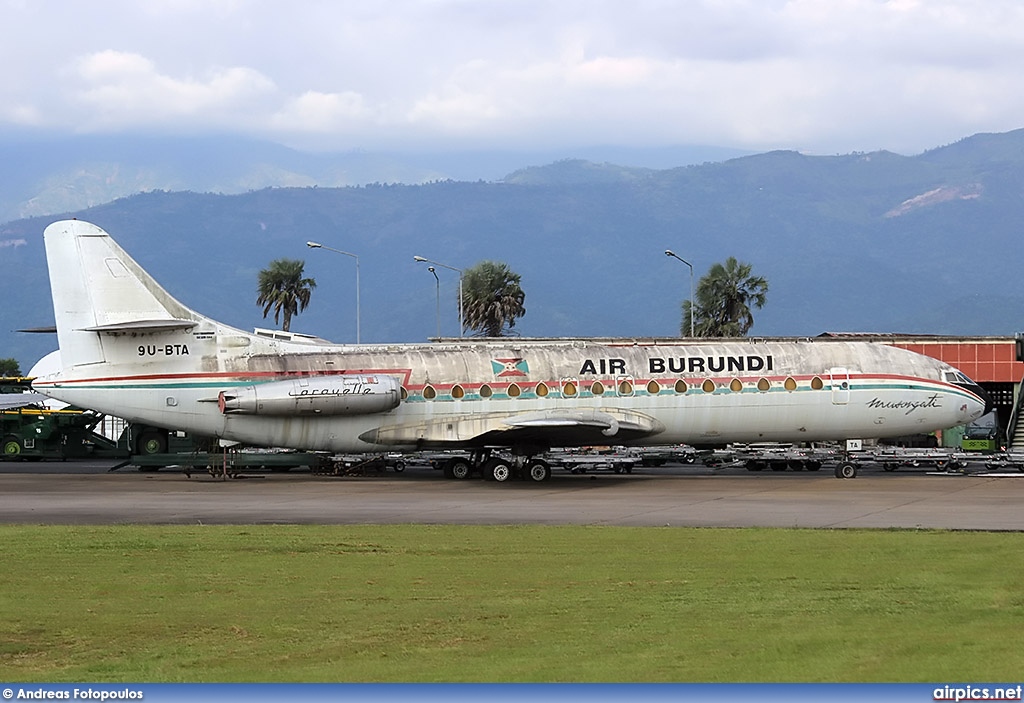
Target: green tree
491,299
283,289
724,298
9,368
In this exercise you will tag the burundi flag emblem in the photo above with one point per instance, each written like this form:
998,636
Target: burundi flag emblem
510,367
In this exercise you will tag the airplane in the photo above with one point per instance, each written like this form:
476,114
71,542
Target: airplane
13,401
15,393
129,349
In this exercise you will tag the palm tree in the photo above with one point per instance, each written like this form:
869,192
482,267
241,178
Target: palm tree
724,297
282,287
491,298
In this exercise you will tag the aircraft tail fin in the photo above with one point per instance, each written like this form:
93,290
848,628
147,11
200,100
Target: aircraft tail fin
98,288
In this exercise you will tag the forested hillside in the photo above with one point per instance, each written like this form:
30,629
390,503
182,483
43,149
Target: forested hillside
872,242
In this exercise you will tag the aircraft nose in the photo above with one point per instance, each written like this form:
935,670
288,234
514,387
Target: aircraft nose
982,394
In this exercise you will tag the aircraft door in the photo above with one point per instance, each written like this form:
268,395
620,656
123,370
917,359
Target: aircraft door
839,379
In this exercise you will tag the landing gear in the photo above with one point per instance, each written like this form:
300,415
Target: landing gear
500,469
458,468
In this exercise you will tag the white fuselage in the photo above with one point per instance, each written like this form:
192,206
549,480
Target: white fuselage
453,393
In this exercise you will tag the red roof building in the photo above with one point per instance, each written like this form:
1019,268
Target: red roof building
984,359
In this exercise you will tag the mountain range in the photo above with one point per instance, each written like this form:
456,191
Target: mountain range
863,242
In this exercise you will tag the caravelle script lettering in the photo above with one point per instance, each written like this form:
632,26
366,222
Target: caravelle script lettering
345,390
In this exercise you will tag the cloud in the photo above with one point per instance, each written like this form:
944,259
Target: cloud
825,76
126,89
20,115
314,111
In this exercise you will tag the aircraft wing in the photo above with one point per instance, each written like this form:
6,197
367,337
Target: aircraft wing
11,401
553,428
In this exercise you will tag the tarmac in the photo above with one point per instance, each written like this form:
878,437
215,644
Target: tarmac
88,493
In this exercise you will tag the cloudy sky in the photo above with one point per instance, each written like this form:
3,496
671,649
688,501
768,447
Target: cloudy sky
820,76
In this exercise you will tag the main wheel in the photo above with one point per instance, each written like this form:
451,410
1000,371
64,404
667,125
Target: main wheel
846,470
458,468
498,470
12,447
538,471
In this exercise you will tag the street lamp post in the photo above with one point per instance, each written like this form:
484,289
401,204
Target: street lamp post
437,298
318,245
421,259
669,252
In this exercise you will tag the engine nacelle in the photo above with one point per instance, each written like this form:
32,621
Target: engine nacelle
318,395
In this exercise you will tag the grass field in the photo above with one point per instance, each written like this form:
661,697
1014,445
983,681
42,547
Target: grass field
450,603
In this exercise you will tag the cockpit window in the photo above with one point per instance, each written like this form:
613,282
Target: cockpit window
956,377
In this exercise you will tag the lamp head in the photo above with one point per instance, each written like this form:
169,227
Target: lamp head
430,268
314,245
669,252
418,258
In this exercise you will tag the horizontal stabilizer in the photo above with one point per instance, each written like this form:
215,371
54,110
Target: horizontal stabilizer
144,326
